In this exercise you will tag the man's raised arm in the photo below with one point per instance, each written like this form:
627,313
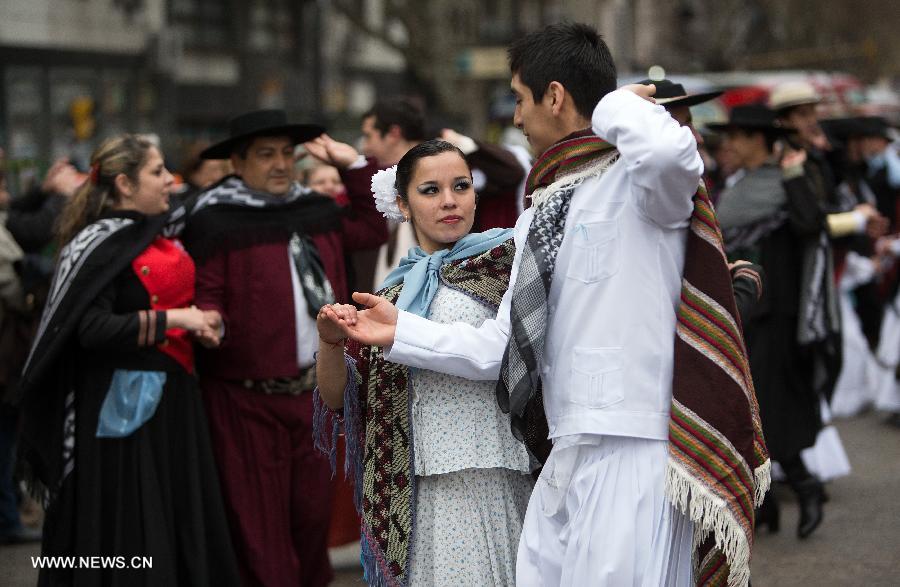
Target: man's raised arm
661,156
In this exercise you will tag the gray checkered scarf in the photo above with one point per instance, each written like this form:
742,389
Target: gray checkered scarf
520,376
551,184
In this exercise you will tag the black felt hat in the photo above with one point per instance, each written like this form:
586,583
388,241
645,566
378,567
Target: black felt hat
668,93
751,117
857,126
261,123
873,126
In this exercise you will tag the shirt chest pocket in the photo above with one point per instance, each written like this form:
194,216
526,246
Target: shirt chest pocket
595,248
597,377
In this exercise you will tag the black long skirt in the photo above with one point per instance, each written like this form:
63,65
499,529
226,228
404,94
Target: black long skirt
149,505
783,378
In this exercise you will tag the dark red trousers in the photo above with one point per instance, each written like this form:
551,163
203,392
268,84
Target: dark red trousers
276,486
345,522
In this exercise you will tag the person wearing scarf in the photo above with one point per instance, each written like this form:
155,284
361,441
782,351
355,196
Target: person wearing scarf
618,339
114,436
269,255
773,217
441,482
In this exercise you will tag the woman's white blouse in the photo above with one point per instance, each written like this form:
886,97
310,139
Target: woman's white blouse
457,423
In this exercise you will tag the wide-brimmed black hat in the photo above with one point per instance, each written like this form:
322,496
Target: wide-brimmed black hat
857,126
261,123
872,126
751,117
668,93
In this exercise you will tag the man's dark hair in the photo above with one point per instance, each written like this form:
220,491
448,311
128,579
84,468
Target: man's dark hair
569,53
402,112
406,167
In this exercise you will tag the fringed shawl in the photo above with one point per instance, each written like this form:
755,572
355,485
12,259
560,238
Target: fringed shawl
377,424
718,463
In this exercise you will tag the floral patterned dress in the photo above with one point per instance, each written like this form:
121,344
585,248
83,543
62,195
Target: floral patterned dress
473,476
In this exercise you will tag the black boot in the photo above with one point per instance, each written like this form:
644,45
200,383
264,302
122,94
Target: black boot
810,495
769,513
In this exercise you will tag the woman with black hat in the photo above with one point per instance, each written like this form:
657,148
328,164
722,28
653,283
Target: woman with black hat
114,430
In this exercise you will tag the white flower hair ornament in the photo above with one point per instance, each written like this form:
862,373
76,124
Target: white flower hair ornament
386,194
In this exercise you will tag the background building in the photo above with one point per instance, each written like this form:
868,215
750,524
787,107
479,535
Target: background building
75,71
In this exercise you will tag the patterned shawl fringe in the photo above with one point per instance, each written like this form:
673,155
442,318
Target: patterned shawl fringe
327,425
763,476
711,518
375,568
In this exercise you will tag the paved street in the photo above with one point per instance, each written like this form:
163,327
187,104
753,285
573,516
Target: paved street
858,544
859,541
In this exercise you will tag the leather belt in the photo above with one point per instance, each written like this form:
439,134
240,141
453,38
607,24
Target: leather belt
304,382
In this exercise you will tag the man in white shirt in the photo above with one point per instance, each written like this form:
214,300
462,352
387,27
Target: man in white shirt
588,320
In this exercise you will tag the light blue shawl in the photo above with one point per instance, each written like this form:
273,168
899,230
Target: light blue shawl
418,271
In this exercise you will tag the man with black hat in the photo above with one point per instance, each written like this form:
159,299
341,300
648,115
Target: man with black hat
772,216
269,254
882,165
865,189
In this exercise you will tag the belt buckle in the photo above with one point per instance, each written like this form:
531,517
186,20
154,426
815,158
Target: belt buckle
295,386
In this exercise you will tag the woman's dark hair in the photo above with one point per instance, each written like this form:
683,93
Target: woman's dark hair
407,164
124,154
571,54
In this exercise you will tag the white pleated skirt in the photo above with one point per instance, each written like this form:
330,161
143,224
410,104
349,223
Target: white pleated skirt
467,527
888,355
827,459
856,387
599,516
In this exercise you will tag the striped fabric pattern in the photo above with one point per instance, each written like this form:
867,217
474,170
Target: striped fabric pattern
750,274
566,157
718,463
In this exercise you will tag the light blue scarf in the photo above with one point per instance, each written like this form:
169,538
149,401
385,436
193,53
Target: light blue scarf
418,271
